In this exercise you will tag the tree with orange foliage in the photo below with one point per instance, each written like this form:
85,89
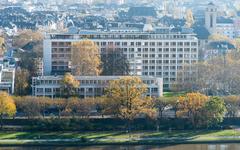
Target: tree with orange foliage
7,106
69,85
190,106
85,58
126,98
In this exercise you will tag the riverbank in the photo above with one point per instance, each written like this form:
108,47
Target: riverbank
117,138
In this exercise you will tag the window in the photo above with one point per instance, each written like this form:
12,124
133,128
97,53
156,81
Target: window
173,43
152,49
194,43
152,67
48,90
152,55
145,61
180,49
54,44
166,50
187,43
124,43
151,73
138,43
152,43
173,49
180,43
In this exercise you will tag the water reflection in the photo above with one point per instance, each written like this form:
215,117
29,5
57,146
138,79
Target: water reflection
142,147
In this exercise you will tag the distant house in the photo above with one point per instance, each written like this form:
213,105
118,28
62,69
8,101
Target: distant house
169,21
217,48
225,26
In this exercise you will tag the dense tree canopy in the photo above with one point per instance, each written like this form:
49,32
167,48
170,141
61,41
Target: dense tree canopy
213,111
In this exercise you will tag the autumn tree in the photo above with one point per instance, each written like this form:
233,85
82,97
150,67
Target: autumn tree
2,46
7,106
69,85
87,105
85,58
22,82
126,95
100,105
60,105
189,18
114,62
45,103
190,106
29,106
73,105
80,107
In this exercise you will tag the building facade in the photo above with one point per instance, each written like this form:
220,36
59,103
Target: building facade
158,52
7,77
90,86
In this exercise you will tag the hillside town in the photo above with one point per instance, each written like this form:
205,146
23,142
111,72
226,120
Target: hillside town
140,64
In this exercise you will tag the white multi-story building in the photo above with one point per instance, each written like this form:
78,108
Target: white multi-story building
158,52
90,86
7,77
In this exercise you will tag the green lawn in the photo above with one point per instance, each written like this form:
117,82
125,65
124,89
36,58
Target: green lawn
172,94
116,134
119,137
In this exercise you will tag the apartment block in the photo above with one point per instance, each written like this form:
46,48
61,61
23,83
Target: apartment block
158,52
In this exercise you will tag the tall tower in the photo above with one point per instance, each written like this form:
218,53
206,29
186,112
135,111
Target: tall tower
211,18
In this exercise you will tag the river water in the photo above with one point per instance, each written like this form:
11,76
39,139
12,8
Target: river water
142,147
